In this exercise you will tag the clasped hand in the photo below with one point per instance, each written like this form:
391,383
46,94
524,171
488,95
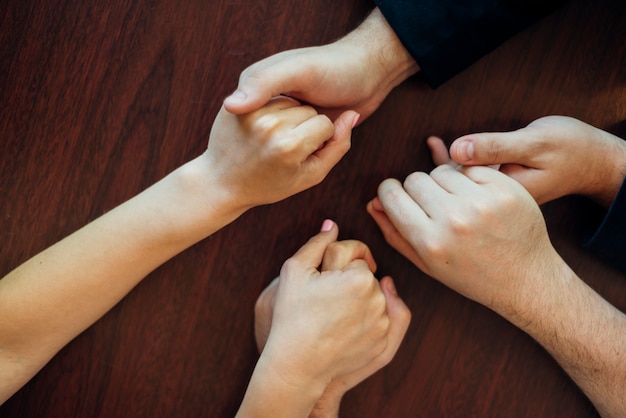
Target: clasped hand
336,325
277,151
475,229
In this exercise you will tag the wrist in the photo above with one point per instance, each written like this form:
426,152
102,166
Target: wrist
328,405
199,198
608,185
383,51
272,392
542,298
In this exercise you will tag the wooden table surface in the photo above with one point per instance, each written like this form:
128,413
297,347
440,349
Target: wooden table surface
100,99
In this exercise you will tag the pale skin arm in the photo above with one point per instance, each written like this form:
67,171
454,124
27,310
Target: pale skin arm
355,73
337,256
55,295
480,233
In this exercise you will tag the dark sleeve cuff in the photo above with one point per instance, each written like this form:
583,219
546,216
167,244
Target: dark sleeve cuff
446,36
609,241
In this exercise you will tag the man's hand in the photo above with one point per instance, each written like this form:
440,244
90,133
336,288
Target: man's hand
476,230
552,157
354,73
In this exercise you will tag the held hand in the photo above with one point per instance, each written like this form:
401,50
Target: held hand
339,255
552,157
353,73
475,230
337,258
277,151
331,323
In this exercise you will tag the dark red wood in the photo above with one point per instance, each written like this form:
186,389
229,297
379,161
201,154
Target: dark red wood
102,98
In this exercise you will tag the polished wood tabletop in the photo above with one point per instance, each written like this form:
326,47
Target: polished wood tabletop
101,99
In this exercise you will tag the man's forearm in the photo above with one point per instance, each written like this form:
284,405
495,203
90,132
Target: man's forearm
384,49
587,337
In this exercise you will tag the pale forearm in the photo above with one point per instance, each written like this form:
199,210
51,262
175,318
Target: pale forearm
587,337
54,296
270,395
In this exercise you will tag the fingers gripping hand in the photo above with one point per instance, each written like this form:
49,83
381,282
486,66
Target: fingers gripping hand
399,318
338,256
476,230
546,158
332,78
328,323
264,307
277,151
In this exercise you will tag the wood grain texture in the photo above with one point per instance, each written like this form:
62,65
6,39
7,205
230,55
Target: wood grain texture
102,98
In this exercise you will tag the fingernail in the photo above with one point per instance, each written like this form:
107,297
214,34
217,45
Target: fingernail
467,149
356,120
327,225
237,96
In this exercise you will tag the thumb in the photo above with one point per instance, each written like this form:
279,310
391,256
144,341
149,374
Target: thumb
251,94
337,146
488,148
260,82
399,318
310,255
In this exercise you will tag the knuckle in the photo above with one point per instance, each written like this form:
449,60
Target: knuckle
252,75
286,148
267,122
459,224
361,283
390,195
433,249
333,253
291,265
414,179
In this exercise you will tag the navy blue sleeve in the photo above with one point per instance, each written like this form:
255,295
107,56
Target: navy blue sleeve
608,241
446,36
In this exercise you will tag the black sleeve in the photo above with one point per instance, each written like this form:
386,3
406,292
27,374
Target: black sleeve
609,240
446,36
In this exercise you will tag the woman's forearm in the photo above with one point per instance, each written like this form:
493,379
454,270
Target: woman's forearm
58,293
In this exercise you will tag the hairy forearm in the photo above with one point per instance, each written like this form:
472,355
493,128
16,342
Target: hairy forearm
612,169
586,335
55,295
384,50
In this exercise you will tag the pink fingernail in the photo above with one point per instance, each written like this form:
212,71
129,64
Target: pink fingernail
327,225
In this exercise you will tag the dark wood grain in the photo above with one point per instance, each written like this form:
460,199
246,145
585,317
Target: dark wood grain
102,98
